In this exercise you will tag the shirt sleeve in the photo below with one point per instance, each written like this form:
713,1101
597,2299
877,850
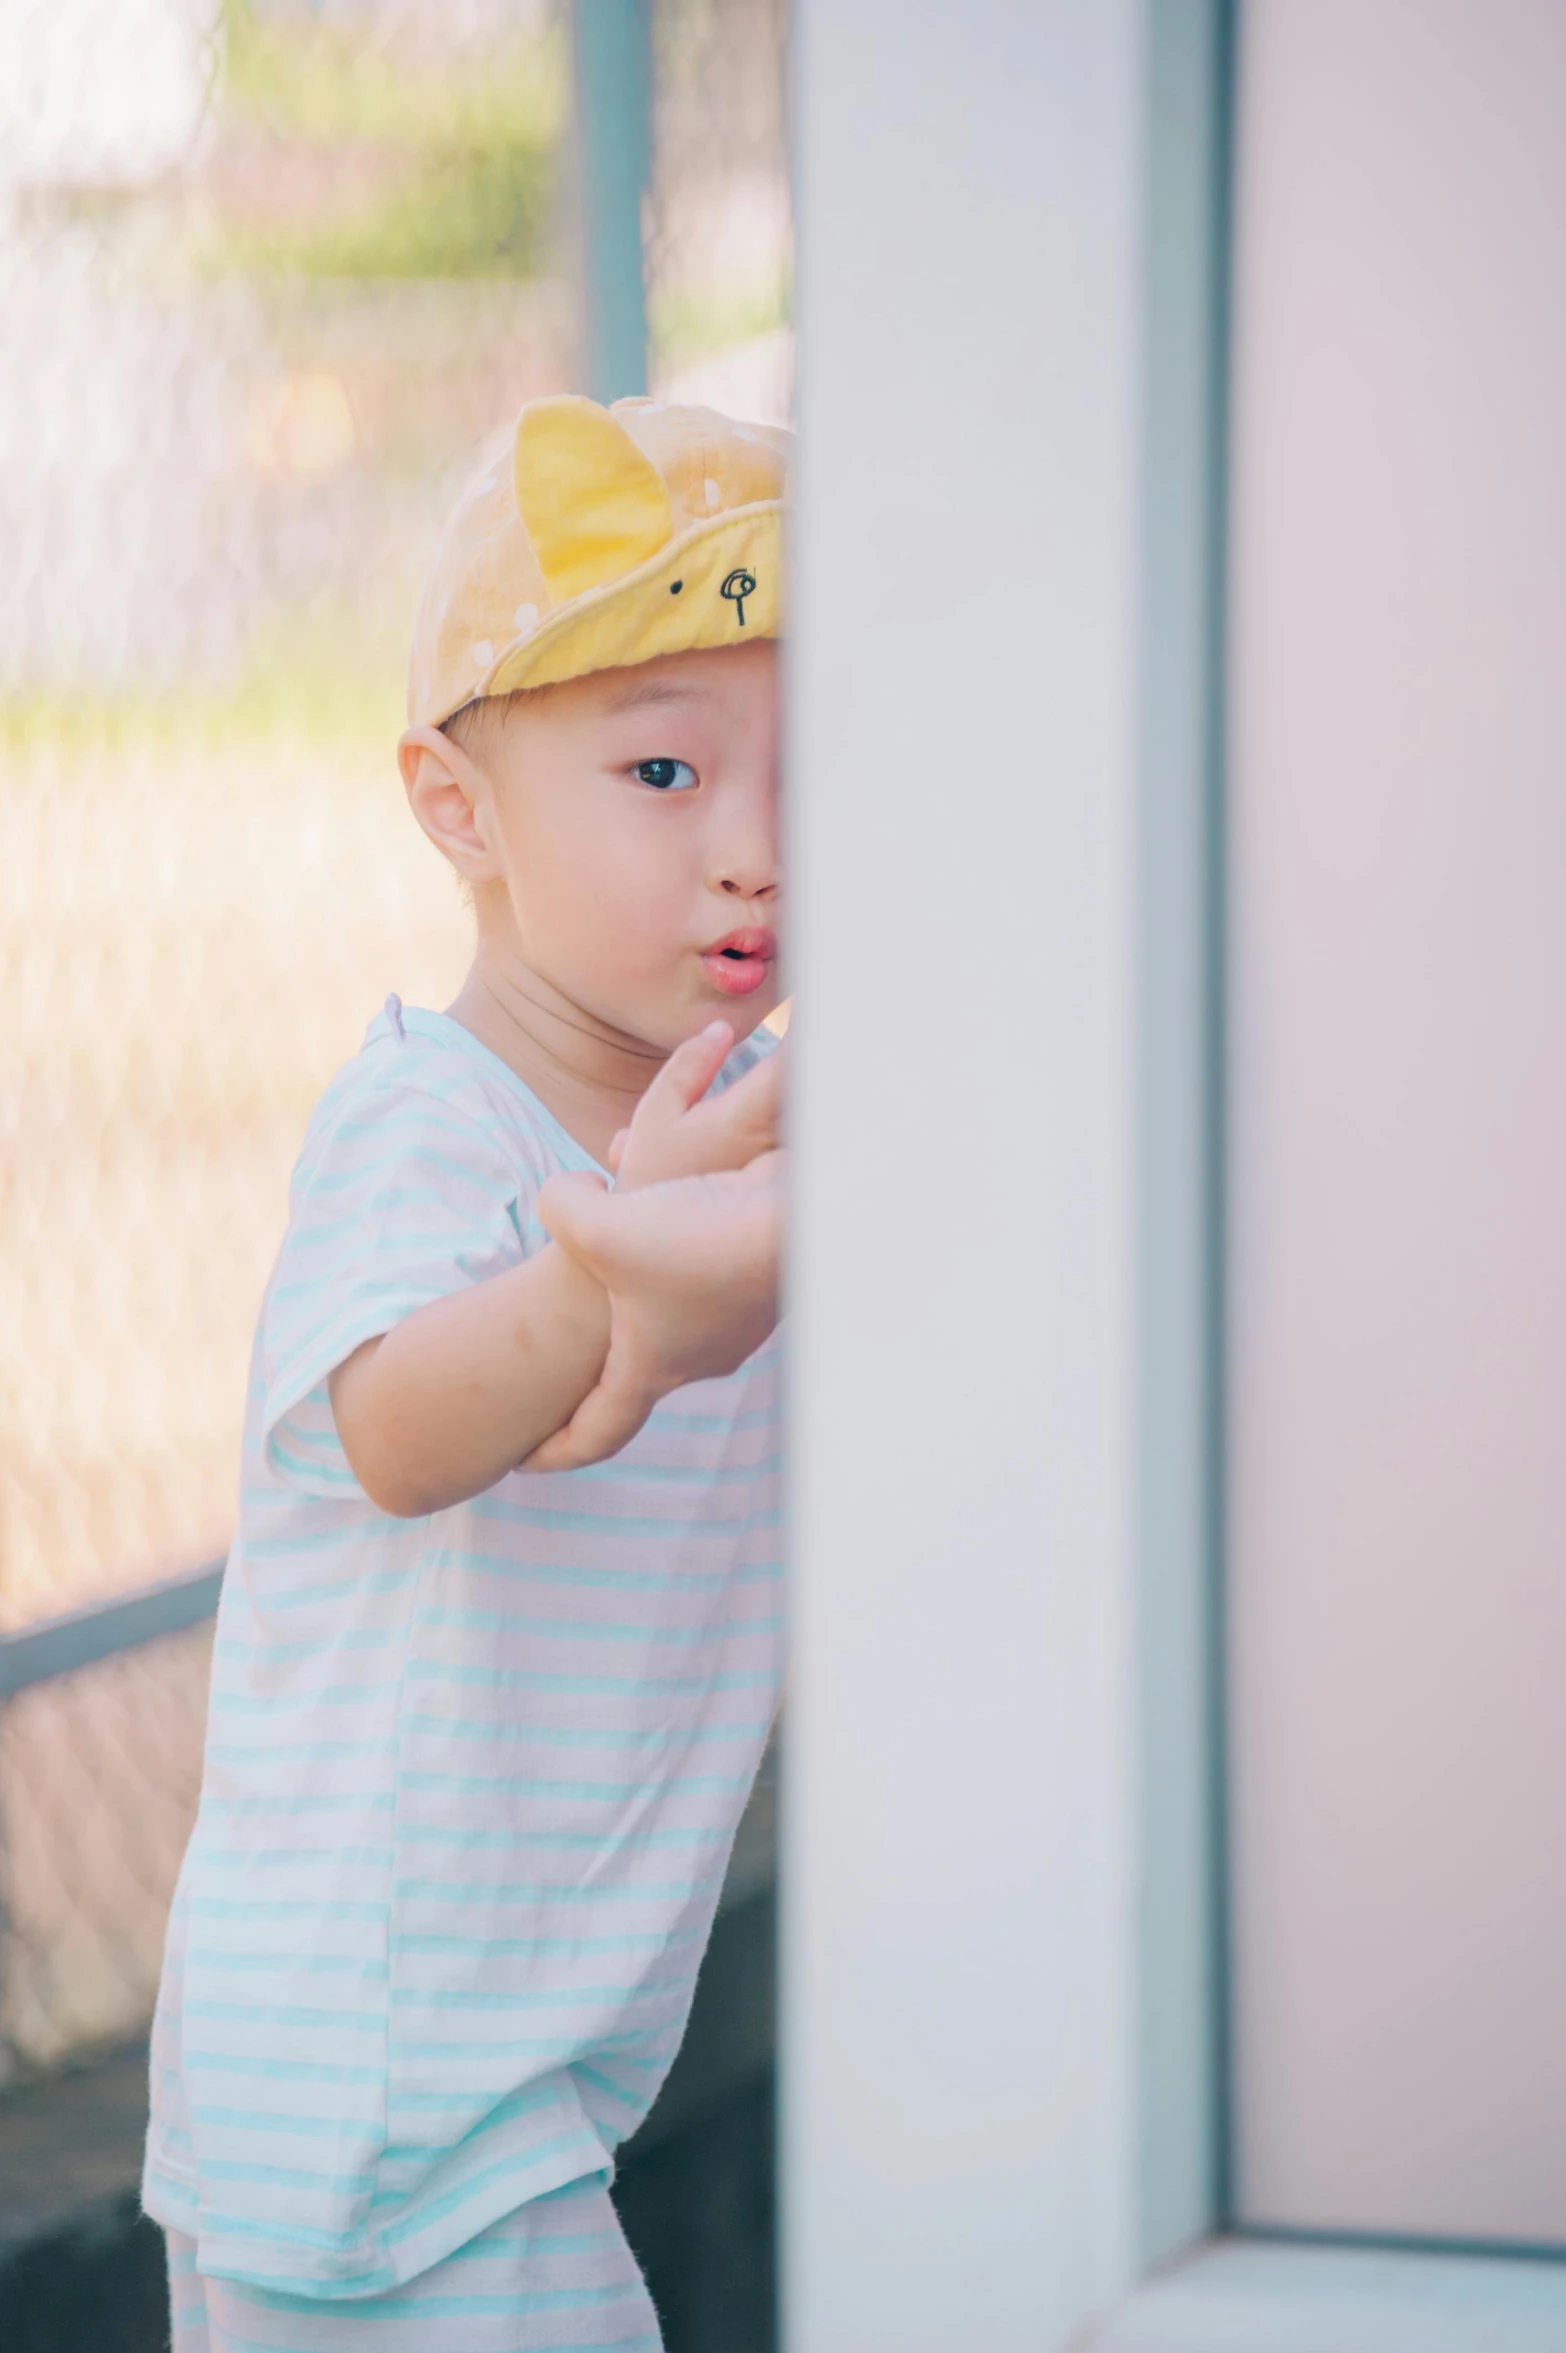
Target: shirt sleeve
403,1199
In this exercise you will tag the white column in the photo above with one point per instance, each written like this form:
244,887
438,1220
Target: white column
960,2003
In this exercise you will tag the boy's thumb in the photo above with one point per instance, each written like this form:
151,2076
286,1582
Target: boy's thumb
689,1072
571,1209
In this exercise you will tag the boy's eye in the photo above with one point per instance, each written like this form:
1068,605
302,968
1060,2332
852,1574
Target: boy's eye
667,776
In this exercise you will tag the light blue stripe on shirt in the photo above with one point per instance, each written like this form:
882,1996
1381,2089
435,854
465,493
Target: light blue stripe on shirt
471,1778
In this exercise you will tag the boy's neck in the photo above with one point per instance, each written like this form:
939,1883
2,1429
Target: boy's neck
589,1075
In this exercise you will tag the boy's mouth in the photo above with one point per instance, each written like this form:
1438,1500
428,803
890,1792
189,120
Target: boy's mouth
740,962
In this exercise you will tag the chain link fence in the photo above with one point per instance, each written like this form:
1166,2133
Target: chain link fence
718,236
271,274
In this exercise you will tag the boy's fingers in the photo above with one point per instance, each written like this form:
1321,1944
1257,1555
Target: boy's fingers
768,1168
607,1419
617,1149
570,1209
570,1181
558,1453
686,1076
728,1130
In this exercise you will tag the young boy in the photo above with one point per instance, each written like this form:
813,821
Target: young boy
498,1647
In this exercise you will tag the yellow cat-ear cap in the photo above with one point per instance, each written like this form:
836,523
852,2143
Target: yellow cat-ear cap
600,538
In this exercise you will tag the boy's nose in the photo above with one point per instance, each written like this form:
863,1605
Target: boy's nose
745,869
738,888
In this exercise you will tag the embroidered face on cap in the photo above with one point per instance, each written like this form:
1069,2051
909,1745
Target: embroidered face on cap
600,538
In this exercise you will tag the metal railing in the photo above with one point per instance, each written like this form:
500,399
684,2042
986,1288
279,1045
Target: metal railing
59,1646
102,1718
64,1646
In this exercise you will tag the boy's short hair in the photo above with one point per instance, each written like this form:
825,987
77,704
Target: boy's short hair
468,722
596,539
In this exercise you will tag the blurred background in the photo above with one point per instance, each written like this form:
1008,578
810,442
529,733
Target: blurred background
271,274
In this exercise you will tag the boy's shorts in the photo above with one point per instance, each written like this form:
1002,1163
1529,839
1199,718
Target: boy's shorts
555,2277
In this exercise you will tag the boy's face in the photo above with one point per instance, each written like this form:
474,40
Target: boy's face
629,829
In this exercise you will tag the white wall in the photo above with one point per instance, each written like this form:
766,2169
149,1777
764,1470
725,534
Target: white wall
959,2008
1398,1088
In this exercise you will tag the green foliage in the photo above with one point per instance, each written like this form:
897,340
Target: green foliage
387,162
473,215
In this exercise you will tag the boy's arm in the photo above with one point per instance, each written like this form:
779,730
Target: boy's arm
463,1390
691,1268
455,1395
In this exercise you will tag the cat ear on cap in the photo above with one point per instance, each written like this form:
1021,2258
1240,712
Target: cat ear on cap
593,505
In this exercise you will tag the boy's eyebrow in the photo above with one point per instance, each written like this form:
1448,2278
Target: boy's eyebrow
650,690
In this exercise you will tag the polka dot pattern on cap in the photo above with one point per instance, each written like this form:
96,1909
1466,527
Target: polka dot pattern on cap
602,538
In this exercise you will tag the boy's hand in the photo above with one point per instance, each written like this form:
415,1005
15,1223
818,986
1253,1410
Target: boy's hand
680,1131
691,1267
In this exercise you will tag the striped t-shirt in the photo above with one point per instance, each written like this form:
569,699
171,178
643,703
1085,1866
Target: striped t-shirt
471,1780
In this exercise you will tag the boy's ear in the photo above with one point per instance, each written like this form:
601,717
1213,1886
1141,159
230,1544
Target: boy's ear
448,796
